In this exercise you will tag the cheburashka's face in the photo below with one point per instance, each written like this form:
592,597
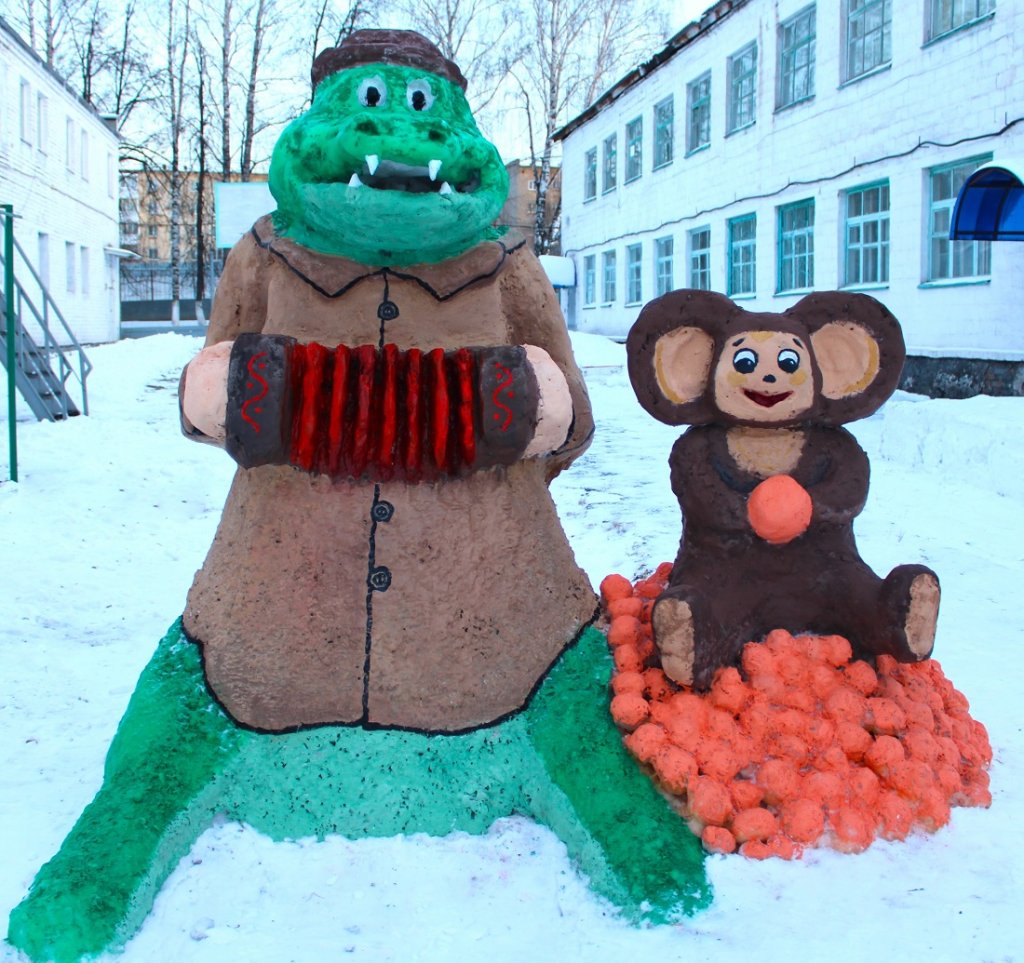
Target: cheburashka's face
764,377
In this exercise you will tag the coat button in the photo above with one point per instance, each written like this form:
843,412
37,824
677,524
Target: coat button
382,511
380,578
387,311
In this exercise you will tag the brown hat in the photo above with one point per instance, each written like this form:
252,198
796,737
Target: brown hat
403,47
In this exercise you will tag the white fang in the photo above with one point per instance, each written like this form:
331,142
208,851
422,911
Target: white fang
434,166
372,160
446,188
355,181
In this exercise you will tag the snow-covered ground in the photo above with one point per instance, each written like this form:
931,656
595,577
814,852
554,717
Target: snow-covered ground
114,513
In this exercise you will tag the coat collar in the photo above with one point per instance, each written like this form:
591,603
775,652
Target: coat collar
332,275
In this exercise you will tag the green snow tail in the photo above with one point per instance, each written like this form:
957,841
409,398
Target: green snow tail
160,770
636,850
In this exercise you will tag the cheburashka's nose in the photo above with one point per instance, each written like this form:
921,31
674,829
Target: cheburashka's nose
770,378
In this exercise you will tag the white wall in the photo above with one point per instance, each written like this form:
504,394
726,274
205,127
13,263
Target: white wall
58,167
962,88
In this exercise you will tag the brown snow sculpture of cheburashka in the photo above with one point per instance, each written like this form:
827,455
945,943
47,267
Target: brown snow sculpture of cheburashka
768,482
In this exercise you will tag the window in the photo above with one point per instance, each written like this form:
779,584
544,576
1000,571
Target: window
43,265
634,149
700,258
152,209
945,16
609,170
151,253
796,246
151,230
69,266
742,87
151,185
608,277
634,270
69,144
590,174
796,58
868,40
742,254
867,235
83,253
663,265
698,106
953,259
84,168
42,123
25,112
589,280
664,135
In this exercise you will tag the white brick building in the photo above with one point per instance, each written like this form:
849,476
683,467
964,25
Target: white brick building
778,146
58,167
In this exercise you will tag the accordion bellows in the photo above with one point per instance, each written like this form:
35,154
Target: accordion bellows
378,413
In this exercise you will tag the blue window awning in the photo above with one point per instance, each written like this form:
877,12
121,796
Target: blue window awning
990,206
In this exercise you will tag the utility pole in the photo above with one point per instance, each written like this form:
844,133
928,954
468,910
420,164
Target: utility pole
12,420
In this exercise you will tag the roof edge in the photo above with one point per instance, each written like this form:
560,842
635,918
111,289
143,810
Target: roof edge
679,41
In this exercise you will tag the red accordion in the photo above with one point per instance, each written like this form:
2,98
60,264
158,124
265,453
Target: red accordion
378,413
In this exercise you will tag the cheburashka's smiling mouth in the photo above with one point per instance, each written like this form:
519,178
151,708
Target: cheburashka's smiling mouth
766,400
382,174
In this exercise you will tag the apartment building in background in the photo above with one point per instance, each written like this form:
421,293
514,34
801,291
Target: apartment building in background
775,147
58,168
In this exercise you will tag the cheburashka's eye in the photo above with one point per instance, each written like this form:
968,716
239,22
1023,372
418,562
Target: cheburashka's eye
744,360
789,360
372,92
418,94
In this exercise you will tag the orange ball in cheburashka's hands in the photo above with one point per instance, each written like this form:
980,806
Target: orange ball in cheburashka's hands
779,509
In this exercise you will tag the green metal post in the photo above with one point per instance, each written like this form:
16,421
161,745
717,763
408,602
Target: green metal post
12,421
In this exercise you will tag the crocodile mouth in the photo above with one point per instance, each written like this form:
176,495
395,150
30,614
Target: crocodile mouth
765,400
388,175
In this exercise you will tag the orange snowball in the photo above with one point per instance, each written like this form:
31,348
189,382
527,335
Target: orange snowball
854,740
647,740
719,762
624,629
629,710
627,658
728,691
717,839
649,588
865,786
779,779
755,823
824,786
862,677
745,794
803,819
628,606
779,509
710,801
852,829
623,682
885,716
615,587
884,753
656,685
677,770
897,815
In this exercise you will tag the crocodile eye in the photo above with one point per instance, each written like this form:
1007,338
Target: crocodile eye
789,360
418,94
372,92
744,360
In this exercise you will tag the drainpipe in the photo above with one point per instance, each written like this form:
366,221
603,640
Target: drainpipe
12,422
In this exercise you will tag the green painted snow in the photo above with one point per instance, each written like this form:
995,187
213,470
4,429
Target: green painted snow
177,760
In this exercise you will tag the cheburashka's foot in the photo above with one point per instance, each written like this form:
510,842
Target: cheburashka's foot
913,594
675,637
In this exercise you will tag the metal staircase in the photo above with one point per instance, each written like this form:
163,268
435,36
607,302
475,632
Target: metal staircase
50,375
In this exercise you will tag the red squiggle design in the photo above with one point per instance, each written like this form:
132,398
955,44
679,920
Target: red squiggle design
506,380
252,366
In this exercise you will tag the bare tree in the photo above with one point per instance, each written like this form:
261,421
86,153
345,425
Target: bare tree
178,13
572,50
331,25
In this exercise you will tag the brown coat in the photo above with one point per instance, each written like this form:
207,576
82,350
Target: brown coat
435,607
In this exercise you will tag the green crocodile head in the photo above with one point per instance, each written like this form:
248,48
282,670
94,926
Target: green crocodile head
387,167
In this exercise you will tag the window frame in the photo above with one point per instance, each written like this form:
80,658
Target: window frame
852,16
70,254
634,150
698,259
790,257
980,251
634,274
664,132
664,279
880,246
589,280
610,163
25,112
738,264
789,51
736,81
609,271
983,10
590,175
698,113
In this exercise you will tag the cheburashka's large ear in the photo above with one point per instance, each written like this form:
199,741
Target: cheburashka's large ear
670,351
859,349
